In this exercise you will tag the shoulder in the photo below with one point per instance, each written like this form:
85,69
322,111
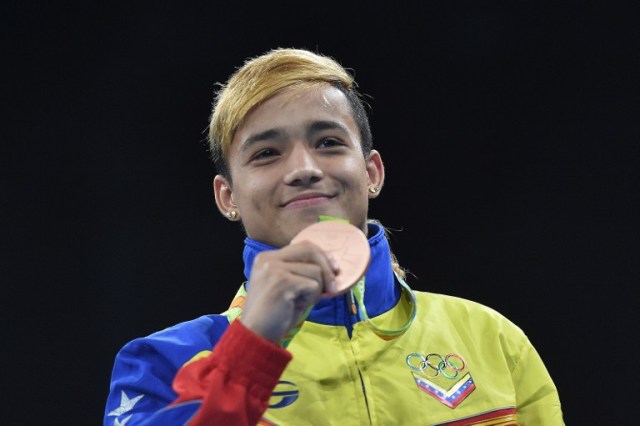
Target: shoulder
472,325
440,300
464,313
178,343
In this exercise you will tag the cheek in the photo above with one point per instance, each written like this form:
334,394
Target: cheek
363,182
257,194
256,205
354,173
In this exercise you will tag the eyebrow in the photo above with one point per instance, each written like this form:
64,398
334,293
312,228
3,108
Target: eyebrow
262,136
318,126
278,133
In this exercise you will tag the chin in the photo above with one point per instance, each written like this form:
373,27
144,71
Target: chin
303,218
296,225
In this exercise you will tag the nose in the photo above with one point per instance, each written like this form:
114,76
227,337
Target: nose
302,166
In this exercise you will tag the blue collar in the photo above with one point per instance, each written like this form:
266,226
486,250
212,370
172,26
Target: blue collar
381,292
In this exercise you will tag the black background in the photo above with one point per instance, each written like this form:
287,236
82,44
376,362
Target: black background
509,130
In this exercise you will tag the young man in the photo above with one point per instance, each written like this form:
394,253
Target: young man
291,142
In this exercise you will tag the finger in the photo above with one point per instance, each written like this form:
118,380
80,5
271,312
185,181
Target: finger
310,253
311,271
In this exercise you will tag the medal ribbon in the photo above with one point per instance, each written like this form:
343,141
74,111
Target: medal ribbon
386,334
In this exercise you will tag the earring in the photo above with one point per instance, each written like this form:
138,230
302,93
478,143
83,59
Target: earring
231,214
373,189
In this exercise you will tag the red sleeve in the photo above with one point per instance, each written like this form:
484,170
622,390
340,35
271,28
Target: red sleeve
235,381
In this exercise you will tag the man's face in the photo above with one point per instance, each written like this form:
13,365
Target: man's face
295,157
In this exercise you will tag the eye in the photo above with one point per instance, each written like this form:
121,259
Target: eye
264,154
329,143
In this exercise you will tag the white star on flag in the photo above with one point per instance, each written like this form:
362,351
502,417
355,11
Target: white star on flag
126,404
124,421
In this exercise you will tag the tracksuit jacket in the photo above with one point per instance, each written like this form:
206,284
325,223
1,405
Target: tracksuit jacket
458,363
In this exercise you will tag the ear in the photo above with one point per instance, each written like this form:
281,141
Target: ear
224,197
375,171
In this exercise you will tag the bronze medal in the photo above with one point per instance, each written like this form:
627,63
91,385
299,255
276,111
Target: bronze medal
346,244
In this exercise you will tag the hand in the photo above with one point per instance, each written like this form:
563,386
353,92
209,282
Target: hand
283,284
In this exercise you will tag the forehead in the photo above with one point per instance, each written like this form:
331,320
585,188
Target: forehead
298,106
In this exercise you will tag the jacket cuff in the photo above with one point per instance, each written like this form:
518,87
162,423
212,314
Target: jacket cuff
251,358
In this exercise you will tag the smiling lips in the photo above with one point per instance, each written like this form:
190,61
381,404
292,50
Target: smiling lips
306,200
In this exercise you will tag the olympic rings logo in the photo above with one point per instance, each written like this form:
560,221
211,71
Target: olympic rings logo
432,365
